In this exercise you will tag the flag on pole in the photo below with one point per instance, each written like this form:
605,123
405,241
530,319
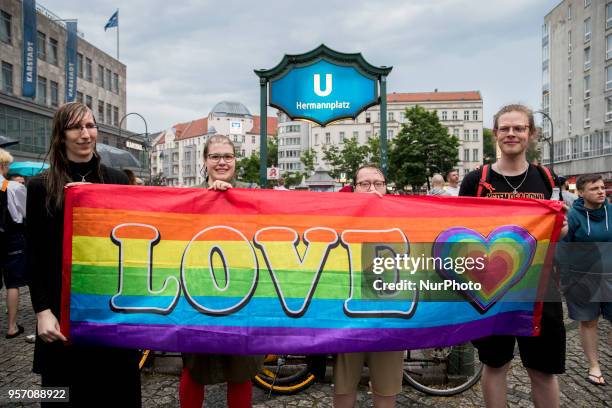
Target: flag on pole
113,21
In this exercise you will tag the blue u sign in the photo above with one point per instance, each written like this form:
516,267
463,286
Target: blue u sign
323,92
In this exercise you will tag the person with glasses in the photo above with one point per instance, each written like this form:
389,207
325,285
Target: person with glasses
513,177
202,369
95,375
386,367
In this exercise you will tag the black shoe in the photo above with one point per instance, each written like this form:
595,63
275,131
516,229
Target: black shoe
20,330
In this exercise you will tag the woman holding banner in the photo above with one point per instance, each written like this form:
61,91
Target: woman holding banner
202,369
94,375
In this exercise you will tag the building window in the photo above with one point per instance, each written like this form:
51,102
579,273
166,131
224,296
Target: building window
89,101
116,83
454,115
587,115
608,108
609,77
608,15
587,87
108,79
109,112
444,115
401,116
368,134
368,117
587,29
466,135
475,155
53,51
80,65
54,93
327,138
569,12
587,58
390,134
88,70
587,3
391,117
5,27
474,135
41,44
7,78
475,115
466,155
316,141
569,94
41,90
115,116
456,132
466,115
341,137
569,122
101,111
100,76
356,135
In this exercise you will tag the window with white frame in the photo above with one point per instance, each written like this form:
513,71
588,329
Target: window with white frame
608,77
466,115
609,15
587,29
475,155
569,12
474,135
475,115
587,3
327,138
341,137
391,117
454,115
367,117
569,122
569,42
587,115
390,134
587,87
607,142
444,115
466,155
586,143
609,109
587,58
6,32
466,135
609,46
456,132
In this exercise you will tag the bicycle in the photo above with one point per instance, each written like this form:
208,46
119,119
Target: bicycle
441,371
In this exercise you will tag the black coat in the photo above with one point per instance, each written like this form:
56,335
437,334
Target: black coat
94,374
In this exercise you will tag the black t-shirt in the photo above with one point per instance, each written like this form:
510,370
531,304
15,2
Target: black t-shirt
535,185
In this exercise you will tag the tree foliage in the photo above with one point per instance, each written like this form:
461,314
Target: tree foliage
351,155
488,146
422,147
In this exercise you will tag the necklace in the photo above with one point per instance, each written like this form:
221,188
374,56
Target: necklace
514,189
82,176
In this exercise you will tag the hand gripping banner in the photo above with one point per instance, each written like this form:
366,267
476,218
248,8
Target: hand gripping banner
256,271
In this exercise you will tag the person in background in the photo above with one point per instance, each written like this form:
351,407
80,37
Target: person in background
586,266
95,376
386,367
281,184
437,186
452,178
12,247
567,197
204,369
17,178
131,176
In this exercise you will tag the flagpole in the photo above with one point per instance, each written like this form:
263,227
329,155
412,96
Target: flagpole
117,34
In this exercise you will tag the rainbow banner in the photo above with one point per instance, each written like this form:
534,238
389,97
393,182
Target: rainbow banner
258,271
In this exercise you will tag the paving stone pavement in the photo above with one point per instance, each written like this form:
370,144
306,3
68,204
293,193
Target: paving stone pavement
160,384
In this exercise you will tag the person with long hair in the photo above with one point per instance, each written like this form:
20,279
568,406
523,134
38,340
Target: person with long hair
94,375
202,369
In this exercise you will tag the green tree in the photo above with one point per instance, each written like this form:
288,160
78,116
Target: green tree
347,159
247,168
422,147
272,153
374,154
488,146
308,160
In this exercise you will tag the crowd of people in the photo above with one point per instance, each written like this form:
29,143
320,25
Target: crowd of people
32,229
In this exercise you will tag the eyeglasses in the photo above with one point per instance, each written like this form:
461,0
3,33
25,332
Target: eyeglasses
79,128
367,184
517,129
227,157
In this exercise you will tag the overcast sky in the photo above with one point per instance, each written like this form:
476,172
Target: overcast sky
183,57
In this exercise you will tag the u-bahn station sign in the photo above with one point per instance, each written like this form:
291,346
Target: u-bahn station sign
323,85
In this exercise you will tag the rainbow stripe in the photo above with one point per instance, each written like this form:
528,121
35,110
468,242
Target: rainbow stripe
255,271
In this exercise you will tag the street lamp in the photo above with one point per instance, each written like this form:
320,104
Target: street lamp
550,140
146,138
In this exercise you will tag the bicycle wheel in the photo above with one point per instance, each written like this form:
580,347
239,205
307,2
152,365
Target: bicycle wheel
285,374
443,371
146,359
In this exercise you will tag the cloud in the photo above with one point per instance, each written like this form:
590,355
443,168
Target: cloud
184,57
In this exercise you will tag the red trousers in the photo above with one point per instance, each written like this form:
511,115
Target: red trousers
191,393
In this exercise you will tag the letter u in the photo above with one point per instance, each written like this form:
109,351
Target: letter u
328,84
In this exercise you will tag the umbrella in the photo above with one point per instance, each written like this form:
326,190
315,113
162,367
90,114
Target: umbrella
115,157
7,141
27,168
